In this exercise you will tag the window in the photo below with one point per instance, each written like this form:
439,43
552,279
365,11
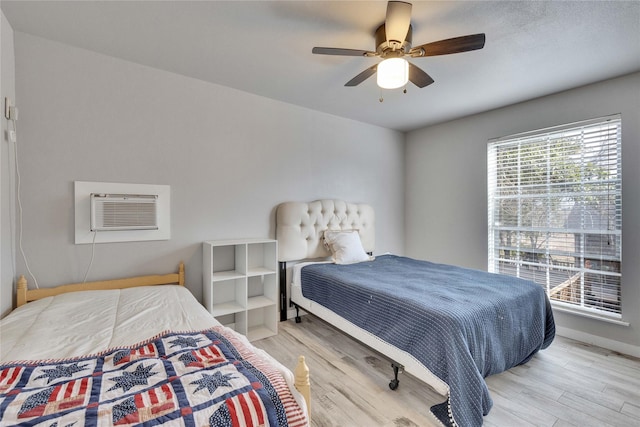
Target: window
555,212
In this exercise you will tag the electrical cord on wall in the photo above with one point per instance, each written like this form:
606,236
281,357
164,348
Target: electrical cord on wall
93,251
13,121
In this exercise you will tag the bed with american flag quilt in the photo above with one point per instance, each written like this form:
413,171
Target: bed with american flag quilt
141,355
211,377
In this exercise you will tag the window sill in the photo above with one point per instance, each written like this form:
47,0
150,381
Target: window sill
564,309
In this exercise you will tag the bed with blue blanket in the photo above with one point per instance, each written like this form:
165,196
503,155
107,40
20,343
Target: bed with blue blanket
447,325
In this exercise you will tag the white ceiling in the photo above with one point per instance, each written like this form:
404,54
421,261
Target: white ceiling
264,47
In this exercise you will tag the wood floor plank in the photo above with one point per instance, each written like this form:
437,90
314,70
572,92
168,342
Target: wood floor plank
501,417
564,423
631,410
603,398
514,381
565,412
568,384
596,410
520,409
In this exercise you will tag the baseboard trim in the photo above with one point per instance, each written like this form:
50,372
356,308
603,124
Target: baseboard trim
620,347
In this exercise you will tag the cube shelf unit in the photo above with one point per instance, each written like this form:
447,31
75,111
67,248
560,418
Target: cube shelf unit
241,285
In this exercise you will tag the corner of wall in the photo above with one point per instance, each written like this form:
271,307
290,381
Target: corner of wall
7,89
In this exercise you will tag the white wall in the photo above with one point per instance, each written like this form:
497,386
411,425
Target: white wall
229,157
7,89
446,190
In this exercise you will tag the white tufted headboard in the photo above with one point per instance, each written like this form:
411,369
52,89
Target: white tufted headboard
299,226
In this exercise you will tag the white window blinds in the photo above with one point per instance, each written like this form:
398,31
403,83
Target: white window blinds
555,212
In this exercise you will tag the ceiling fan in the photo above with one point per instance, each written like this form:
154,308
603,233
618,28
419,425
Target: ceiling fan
393,42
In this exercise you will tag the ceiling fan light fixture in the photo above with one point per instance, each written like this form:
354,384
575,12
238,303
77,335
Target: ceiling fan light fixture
393,73
393,41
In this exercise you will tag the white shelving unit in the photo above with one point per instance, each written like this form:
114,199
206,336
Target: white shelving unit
241,285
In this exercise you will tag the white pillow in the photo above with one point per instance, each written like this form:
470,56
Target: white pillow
345,246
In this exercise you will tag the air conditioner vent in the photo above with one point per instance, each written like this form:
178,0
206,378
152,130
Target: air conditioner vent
124,212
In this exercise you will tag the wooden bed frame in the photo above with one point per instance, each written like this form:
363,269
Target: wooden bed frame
25,295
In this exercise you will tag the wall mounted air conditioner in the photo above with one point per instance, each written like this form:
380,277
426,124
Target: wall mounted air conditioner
116,212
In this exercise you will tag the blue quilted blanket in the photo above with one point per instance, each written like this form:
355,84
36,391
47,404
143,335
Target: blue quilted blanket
461,324
177,379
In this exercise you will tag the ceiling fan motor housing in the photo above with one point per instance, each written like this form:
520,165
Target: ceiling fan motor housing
396,43
393,48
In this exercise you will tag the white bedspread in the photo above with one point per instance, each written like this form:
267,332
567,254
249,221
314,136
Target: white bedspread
89,322
65,325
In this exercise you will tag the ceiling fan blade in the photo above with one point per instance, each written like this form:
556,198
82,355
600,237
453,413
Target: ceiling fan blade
419,77
362,76
339,51
397,21
454,45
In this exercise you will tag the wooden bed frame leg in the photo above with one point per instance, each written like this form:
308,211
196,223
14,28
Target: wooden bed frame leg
181,273
302,383
21,291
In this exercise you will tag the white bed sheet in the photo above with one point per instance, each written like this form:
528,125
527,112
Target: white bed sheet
65,325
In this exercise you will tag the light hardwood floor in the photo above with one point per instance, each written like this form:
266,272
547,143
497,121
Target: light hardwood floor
568,384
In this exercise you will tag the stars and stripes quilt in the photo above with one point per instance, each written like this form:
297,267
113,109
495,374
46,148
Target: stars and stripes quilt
177,379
